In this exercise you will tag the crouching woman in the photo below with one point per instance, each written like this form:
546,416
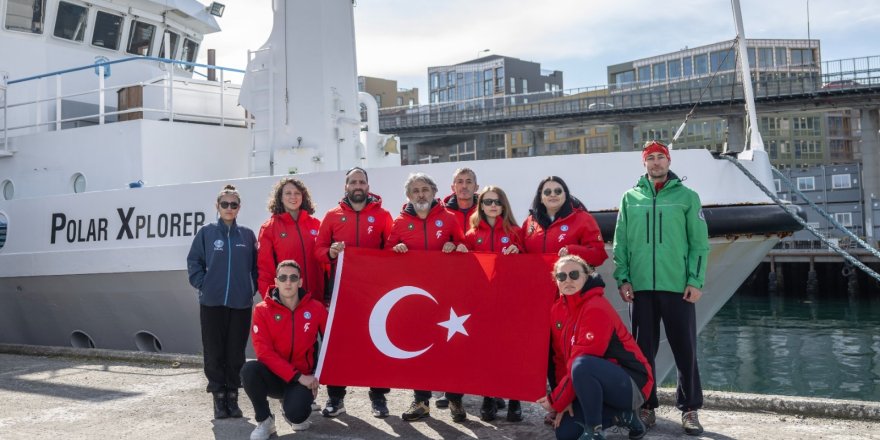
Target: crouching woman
285,334
602,377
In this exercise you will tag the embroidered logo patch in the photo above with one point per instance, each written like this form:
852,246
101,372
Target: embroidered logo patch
283,234
343,218
307,315
371,219
218,245
559,325
479,241
590,336
256,329
277,317
411,227
505,239
369,230
438,223
563,228
314,232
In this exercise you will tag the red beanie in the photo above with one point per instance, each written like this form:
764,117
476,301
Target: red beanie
654,147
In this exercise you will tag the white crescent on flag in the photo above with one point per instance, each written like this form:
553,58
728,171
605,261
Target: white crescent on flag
379,318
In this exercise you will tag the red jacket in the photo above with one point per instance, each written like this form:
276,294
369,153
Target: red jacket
286,340
429,234
367,228
573,228
462,215
586,324
283,238
487,238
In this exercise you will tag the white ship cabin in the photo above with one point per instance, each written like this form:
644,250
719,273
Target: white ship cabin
98,82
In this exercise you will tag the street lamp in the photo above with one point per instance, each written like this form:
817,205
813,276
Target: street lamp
482,51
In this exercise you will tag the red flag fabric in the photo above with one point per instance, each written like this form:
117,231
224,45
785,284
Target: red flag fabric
469,323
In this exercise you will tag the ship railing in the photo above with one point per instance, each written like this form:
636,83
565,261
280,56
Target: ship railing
839,77
41,102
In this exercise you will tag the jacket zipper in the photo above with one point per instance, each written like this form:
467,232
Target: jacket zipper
292,336
647,227
492,238
357,229
302,244
425,229
654,247
228,265
661,227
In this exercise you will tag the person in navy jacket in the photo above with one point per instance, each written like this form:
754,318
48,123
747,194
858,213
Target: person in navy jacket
222,265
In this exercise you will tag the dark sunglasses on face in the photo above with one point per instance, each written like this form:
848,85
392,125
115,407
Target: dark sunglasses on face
490,202
562,276
283,278
229,205
548,191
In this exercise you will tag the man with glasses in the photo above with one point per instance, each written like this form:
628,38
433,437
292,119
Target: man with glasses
661,248
358,221
425,225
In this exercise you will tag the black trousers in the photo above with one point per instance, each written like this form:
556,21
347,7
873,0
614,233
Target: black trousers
260,383
680,322
338,392
225,334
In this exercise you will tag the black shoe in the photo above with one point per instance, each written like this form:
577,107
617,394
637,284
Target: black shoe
220,410
232,404
514,411
380,408
489,409
456,409
632,422
333,408
442,402
499,403
691,423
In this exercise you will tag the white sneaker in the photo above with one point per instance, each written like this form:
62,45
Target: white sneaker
299,426
264,429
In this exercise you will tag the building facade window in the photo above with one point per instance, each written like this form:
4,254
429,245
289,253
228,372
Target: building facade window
525,88
806,183
512,85
701,64
801,57
70,23
687,66
624,78
659,72
25,15
781,56
435,81
645,74
765,57
722,60
674,68
108,30
844,218
841,181
777,184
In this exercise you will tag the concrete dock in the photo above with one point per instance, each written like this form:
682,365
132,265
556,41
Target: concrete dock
162,398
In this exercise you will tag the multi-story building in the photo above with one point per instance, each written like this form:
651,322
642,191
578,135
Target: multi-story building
387,93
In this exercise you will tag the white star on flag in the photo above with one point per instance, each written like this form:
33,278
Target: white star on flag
455,324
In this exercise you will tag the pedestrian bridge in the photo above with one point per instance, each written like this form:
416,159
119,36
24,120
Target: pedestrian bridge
850,83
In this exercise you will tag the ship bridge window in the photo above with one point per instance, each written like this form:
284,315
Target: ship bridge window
190,50
3,223
140,39
25,15
8,189
70,23
108,30
173,38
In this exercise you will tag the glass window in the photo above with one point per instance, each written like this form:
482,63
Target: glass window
190,50
701,64
8,190
844,218
687,67
778,185
645,74
781,56
450,78
801,57
525,85
765,57
108,30
79,183
674,68
659,70
512,85
722,60
71,21
25,15
624,78
753,57
841,181
546,87
435,80
434,97
173,41
806,183
140,38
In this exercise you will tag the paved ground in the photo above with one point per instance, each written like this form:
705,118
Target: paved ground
72,398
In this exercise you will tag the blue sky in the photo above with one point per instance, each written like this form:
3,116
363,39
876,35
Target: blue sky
399,39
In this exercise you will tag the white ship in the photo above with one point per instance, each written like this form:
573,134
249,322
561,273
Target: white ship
113,152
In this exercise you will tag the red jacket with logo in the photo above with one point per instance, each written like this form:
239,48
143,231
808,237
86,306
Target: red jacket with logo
573,228
367,228
463,216
429,234
286,340
283,238
487,238
586,324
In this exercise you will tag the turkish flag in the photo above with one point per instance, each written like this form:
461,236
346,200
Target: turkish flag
467,323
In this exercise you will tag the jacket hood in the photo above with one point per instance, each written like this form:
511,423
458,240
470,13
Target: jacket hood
287,218
372,200
276,297
571,205
451,202
645,184
223,228
594,286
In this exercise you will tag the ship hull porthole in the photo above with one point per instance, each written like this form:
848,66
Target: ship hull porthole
81,339
147,342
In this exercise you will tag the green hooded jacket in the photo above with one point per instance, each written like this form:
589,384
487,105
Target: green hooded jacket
661,241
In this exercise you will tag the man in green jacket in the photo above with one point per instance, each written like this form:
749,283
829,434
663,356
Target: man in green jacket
661,247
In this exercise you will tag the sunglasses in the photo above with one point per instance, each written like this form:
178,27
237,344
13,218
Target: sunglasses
562,276
490,202
284,278
548,191
229,205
